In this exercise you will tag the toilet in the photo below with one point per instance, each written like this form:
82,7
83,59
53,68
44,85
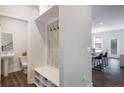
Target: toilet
24,63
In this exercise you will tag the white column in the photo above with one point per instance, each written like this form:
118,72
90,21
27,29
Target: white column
5,67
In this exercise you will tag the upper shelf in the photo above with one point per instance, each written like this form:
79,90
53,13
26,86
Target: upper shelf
50,14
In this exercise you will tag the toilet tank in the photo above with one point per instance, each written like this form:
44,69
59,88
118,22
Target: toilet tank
23,60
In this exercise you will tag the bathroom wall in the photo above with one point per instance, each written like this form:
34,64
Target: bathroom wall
34,41
19,30
24,12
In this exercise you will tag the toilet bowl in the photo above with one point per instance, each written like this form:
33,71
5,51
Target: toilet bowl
24,63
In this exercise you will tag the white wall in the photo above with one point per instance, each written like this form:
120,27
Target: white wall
75,38
107,36
19,30
25,12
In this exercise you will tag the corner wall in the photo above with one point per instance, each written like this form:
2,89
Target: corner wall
75,41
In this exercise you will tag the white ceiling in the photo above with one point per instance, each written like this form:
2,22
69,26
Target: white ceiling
112,17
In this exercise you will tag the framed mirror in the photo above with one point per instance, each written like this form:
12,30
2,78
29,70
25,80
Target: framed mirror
6,41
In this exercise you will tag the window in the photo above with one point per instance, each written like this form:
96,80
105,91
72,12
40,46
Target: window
98,44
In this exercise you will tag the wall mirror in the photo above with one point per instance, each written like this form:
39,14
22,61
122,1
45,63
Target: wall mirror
6,41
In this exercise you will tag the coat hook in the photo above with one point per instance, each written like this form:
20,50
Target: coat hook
50,29
57,26
54,28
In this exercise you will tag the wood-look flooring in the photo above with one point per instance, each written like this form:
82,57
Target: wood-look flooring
112,76
15,79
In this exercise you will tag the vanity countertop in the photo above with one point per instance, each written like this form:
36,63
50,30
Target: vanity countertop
7,55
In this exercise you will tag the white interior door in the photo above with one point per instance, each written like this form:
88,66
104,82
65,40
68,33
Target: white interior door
114,47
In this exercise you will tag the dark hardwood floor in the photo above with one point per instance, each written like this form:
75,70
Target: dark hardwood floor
112,76
15,79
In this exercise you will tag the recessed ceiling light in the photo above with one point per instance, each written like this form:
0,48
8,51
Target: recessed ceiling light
101,23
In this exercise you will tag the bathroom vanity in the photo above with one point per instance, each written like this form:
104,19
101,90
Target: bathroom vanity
6,59
7,53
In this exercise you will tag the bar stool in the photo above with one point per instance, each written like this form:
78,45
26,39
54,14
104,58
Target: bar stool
105,59
99,61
